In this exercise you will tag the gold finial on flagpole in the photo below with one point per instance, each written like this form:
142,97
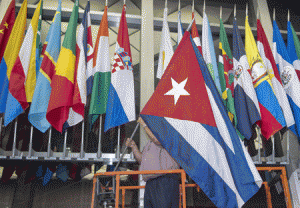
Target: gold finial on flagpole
166,3
234,10
274,14
179,6
288,15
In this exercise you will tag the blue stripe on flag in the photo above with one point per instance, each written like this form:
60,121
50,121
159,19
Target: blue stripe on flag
296,111
244,120
89,85
199,169
13,109
38,108
115,110
268,99
3,85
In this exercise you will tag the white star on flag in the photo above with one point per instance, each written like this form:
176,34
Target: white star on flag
177,90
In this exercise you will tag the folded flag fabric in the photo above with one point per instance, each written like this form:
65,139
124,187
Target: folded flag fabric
6,26
88,50
226,74
11,53
23,74
76,114
121,99
195,34
102,68
245,99
166,48
41,96
208,50
272,118
62,84
293,47
288,75
186,110
271,67
179,28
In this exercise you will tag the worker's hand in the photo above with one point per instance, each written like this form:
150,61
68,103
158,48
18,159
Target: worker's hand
142,122
130,143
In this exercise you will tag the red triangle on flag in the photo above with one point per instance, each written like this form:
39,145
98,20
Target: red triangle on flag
193,103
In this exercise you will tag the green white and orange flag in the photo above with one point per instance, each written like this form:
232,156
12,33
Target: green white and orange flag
61,98
226,74
102,77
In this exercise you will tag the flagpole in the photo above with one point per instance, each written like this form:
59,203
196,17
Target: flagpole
179,6
118,146
288,147
166,4
123,153
30,142
82,141
124,2
65,144
204,7
234,11
189,27
288,17
49,142
1,119
274,14
193,7
247,10
99,153
220,12
15,138
106,3
273,149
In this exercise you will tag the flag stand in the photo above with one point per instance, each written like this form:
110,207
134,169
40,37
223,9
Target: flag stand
15,152
99,153
82,153
49,151
31,152
2,151
118,146
123,153
65,145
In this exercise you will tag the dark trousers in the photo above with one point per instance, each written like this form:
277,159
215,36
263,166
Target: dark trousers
162,192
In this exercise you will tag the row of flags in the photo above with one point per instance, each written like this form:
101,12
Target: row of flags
249,80
57,81
200,109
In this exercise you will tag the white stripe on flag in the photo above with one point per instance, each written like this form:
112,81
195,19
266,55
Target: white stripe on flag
210,150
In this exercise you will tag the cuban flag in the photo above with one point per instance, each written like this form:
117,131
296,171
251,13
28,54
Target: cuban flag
188,117
121,103
288,75
245,99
